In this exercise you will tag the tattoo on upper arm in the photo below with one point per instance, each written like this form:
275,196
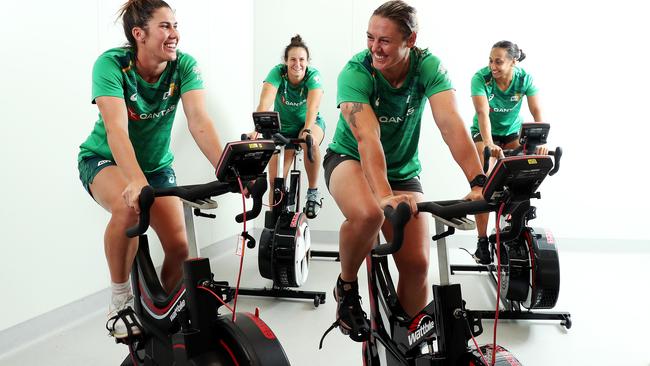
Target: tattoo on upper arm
352,119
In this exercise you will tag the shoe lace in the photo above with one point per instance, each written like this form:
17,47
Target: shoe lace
351,306
313,196
350,300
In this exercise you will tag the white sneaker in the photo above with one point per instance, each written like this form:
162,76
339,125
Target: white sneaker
120,312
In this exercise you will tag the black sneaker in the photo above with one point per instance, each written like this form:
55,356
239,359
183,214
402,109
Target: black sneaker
350,317
482,253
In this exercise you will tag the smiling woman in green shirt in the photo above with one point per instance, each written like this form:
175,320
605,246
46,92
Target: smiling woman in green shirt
373,161
498,92
137,90
294,90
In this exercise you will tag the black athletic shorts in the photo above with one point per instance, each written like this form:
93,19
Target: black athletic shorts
332,160
498,140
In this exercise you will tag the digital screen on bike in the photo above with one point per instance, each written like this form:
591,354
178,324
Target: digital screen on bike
266,123
534,133
244,159
519,176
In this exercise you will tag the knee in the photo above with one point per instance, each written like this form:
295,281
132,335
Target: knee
368,220
123,215
177,250
416,271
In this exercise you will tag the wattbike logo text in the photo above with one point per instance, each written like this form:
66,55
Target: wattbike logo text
177,309
420,327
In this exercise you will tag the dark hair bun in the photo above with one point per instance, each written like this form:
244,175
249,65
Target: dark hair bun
296,41
522,55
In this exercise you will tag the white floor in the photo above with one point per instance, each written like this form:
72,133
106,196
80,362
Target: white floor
604,287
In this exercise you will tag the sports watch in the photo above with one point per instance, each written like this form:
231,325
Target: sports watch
479,181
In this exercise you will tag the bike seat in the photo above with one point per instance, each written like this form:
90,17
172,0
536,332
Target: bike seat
201,204
460,223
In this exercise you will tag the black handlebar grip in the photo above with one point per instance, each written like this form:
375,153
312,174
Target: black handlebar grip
398,218
244,137
512,152
279,139
257,191
145,201
486,159
309,141
557,154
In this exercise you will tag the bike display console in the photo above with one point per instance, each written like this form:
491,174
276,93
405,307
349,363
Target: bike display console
246,159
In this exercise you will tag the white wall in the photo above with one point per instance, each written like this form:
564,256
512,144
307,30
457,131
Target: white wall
51,241
587,59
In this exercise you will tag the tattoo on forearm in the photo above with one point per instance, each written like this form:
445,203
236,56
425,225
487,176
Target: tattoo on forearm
352,119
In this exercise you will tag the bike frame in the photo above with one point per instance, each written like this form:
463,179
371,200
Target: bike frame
436,336
286,199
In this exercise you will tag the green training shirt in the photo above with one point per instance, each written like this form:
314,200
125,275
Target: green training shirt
151,106
291,100
398,110
504,105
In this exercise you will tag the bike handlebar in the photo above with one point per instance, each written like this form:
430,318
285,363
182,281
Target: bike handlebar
145,201
193,193
398,218
557,154
486,159
450,211
447,210
456,208
279,139
257,191
309,141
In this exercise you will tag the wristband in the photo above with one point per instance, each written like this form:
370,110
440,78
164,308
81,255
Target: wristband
478,181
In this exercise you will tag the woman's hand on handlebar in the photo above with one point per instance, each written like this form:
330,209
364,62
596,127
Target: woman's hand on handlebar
476,194
250,135
131,194
541,150
394,200
495,150
303,134
248,187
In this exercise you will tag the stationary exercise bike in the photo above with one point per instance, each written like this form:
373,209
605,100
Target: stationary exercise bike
285,243
439,333
185,327
530,267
